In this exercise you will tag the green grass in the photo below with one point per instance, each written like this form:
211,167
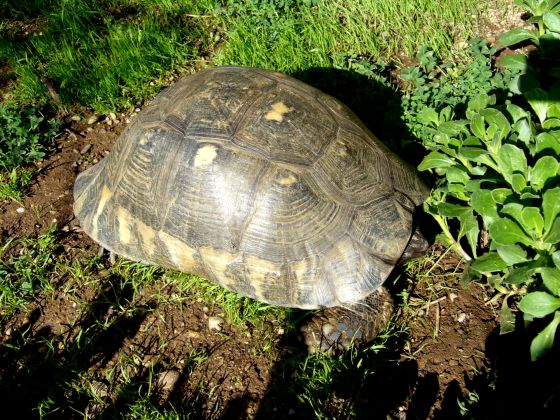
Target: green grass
101,53
306,34
27,272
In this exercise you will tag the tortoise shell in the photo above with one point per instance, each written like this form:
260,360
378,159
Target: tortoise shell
259,182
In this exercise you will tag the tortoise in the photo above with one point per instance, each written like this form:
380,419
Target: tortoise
266,186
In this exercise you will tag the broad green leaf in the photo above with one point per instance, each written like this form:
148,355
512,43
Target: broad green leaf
507,319
452,210
523,83
519,275
479,102
478,127
553,236
516,36
518,183
538,99
556,259
533,220
495,118
511,254
473,185
507,232
544,340
551,207
451,128
436,160
545,169
457,174
484,204
549,142
539,304
553,111
500,195
551,123
489,263
428,116
513,209
552,21
548,45
517,113
524,130
515,62
511,159
472,153
551,279
469,228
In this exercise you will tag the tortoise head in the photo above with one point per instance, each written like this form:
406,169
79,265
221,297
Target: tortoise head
416,247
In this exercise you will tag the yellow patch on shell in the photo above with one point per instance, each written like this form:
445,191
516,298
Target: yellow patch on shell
104,197
261,272
277,112
125,225
181,254
287,180
205,155
217,260
148,236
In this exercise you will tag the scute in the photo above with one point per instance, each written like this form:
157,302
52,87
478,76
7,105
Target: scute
258,182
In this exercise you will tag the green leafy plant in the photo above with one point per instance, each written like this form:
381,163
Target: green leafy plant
498,183
25,136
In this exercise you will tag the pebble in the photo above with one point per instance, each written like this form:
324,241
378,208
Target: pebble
453,362
93,119
280,331
112,116
461,317
85,149
215,323
75,118
20,210
453,296
166,380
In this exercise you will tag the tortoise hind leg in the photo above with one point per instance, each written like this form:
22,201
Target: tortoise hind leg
335,329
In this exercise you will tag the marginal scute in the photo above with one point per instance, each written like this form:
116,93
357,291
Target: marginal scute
259,182
182,256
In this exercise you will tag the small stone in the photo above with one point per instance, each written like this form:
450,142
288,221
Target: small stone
453,296
8,332
76,118
93,119
453,362
112,116
215,323
136,109
205,309
108,121
20,210
66,228
461,317
85,149
280,331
